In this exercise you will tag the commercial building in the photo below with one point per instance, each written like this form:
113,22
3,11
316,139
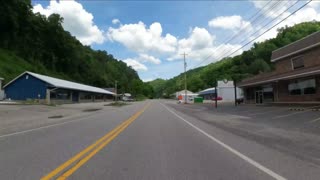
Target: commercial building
180,93
296,77
47,89
182,96
208,94
225,89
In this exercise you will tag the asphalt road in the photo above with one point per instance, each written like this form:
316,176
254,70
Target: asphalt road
146,140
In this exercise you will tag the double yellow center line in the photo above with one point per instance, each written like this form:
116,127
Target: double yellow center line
70,166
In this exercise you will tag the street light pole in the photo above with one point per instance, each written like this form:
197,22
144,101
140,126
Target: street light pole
235,92
116,91
216,96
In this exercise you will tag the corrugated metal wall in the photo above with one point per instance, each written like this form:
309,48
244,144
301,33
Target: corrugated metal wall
26,87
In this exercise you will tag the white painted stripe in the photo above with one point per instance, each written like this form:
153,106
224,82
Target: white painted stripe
39,128
315,120
242,156
282,116
266,112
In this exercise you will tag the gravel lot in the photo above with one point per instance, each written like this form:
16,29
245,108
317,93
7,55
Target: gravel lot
15,118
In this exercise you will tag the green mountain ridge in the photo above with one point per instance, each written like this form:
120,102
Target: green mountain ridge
33,42
251,62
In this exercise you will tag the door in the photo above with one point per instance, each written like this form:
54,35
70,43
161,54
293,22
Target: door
259,97
75,96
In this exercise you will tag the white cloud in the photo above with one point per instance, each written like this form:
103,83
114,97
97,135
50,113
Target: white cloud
115,21
200,44
147,79
135,64
77,20
272,9
314,4
148,58
141,39
230,22
304,15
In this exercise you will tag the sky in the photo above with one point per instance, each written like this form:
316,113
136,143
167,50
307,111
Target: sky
151,36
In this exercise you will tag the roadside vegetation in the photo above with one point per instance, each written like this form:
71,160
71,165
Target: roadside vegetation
118,104
33,42
254,61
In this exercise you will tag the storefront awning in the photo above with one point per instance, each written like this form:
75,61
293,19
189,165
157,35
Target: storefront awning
283,76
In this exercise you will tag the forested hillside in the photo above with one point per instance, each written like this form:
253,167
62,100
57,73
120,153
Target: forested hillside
254,61
33,42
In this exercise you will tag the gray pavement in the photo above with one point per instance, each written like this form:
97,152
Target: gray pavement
171,141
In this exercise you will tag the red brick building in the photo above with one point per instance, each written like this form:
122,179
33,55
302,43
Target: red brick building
296,77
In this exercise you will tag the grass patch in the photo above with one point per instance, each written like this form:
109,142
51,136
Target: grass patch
91,110
31,102
55,117
118,104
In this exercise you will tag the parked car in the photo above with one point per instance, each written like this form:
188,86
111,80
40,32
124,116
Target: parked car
239,100
219,98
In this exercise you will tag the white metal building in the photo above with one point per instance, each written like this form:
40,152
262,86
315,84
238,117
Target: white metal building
182,92
225,91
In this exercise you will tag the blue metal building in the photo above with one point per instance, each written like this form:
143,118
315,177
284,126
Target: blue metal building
30,85
208,94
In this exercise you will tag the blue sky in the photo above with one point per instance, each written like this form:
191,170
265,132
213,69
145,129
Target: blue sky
150,36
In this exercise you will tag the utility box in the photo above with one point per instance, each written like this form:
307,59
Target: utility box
198,100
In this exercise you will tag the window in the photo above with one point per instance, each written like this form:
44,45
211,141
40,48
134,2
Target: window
60,94
297,62
301,87
86,96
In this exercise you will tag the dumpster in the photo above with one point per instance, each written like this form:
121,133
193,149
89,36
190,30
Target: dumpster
198,100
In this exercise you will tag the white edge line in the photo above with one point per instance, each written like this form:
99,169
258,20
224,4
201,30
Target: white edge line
39,128
242,156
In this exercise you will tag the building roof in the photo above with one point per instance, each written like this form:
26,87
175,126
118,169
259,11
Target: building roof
110,89
296,47
222,84
274,77
183,92
63,84
208,91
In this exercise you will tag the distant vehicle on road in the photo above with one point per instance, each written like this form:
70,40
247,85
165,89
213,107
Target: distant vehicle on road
127,97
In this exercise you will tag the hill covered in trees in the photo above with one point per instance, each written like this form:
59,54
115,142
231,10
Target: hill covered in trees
251,62
33,42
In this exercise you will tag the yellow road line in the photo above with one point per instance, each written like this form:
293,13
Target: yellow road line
95,147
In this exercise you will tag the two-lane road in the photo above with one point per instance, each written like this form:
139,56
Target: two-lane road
147,140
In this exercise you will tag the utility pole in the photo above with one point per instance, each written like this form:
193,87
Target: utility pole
115,91
185,77
235,92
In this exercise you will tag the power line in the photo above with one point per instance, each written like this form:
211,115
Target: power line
271,28
269,22
265,7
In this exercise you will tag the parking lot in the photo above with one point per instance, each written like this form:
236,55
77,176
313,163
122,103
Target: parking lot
305,118
290,129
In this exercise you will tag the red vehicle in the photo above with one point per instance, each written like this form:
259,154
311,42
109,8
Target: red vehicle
219,98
